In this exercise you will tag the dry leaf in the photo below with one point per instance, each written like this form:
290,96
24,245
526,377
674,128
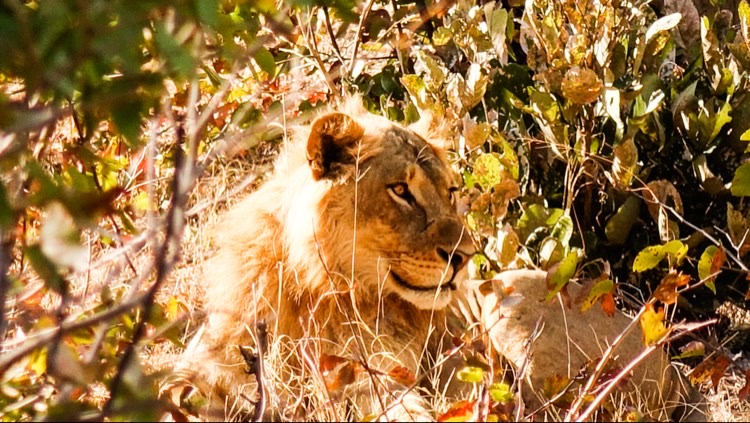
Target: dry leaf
402,375
666,292
461,411
338,372
711,368
581,85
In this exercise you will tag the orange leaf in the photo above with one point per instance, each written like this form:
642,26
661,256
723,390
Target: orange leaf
608,304
666,292
338,372
330,362
402,375
718,260
461,411
712,368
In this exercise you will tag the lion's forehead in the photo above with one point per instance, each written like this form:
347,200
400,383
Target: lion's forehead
399,148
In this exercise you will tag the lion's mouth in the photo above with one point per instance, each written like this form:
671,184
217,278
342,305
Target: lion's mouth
401,281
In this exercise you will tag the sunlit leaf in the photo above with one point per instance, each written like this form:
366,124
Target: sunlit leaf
741,181
652,325
402,375
470,374
488,170
460,411
507,244
608,304
475,133
743,10
338,372
559,275
602,287
648,258
625,162
581,85
676,250
501,393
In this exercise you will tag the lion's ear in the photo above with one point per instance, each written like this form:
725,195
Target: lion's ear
330,135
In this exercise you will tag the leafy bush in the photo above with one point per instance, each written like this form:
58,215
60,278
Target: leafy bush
600,141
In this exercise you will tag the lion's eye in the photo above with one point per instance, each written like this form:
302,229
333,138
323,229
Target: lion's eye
400,193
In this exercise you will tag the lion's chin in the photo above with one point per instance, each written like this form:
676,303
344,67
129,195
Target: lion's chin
424,297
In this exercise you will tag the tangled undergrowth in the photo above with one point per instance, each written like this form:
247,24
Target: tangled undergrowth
601,141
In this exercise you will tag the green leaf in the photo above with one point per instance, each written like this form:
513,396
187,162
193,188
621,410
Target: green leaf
487,170
208,11
470,374
178,57
619,225
676,250
501,393
266,61
741,181
562,274
563,230
7,215
648,258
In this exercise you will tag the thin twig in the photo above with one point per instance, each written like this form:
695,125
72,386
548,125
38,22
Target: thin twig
329,27
5,259
358,37
604,360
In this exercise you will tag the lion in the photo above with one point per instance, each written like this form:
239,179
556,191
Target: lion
352,249
350,260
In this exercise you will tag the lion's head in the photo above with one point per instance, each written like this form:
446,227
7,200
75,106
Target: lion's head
385,207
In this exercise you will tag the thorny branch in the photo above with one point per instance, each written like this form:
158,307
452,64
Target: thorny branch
255,366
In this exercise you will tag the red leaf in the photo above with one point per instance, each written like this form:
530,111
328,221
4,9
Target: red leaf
461,411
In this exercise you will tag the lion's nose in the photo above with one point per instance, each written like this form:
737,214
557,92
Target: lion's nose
457,259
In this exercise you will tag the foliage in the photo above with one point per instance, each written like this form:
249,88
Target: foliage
603,141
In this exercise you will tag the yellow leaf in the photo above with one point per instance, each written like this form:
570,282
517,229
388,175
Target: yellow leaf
652,324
